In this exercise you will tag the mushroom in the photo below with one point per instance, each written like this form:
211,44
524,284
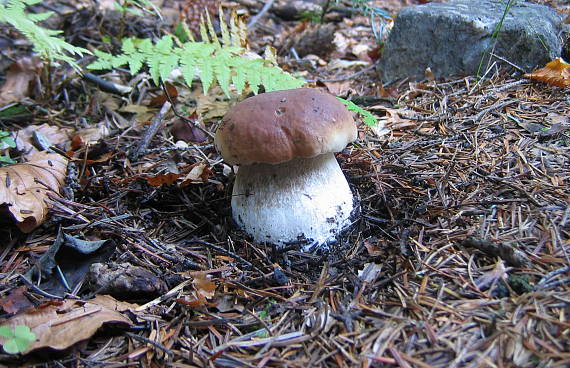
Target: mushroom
289,187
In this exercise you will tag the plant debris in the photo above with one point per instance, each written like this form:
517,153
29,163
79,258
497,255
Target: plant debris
459,256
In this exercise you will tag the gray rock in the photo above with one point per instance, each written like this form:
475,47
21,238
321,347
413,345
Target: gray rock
455,38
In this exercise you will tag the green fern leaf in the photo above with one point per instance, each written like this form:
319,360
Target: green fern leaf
212,31
239,78
208,60
367,117
146,47
164,45
45,41
39,17
206,75
222,71
167,64
253,72
226,41
153,63
203,31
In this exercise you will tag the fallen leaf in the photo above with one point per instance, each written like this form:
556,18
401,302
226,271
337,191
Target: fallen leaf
392,119
61,325
188,130
142,113
199,174
18,79
203,285
373,247
159,180
25,187
490,278
555,73
26,138
16,301
158,101
207,105
370,272
554,131
94,134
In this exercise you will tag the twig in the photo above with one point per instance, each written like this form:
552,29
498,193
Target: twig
495,106
543,283
38,290
261,13
350,76
107,86
194,123
150,132
224,251
508,62
152,342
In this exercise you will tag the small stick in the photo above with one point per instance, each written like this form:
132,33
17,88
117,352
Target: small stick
261,13
152,342
107,86
224,251
508,62
544,281
150,133
496,106
38,290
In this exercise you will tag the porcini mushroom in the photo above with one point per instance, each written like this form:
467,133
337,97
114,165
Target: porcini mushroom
289,186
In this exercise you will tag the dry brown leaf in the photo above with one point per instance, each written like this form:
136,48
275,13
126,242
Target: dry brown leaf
18,79
392,118
189,130
159,180
199,174
25,187
94,134
158,101
25,137
60,325
16,301
203,285
555,73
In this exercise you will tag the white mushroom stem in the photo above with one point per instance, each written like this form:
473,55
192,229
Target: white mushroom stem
299,199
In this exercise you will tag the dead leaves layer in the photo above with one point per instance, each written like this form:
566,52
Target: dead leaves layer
24,188
59,325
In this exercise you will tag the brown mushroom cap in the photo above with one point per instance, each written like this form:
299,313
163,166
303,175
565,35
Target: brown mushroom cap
279,126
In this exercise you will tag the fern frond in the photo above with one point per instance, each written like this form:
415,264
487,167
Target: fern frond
224,63
226,42
45,41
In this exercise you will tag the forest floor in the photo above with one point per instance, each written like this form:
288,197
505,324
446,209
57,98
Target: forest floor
460,256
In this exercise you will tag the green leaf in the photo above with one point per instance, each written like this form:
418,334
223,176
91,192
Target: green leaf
367,117
6,332
207,59
7,160
45,41
19,339
9,141
154,67
206,75
167,64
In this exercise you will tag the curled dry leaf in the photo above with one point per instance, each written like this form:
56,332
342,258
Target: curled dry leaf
25,187
555,73
59,325
25,137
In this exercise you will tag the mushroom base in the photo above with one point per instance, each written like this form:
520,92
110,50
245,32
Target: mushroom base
305,201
